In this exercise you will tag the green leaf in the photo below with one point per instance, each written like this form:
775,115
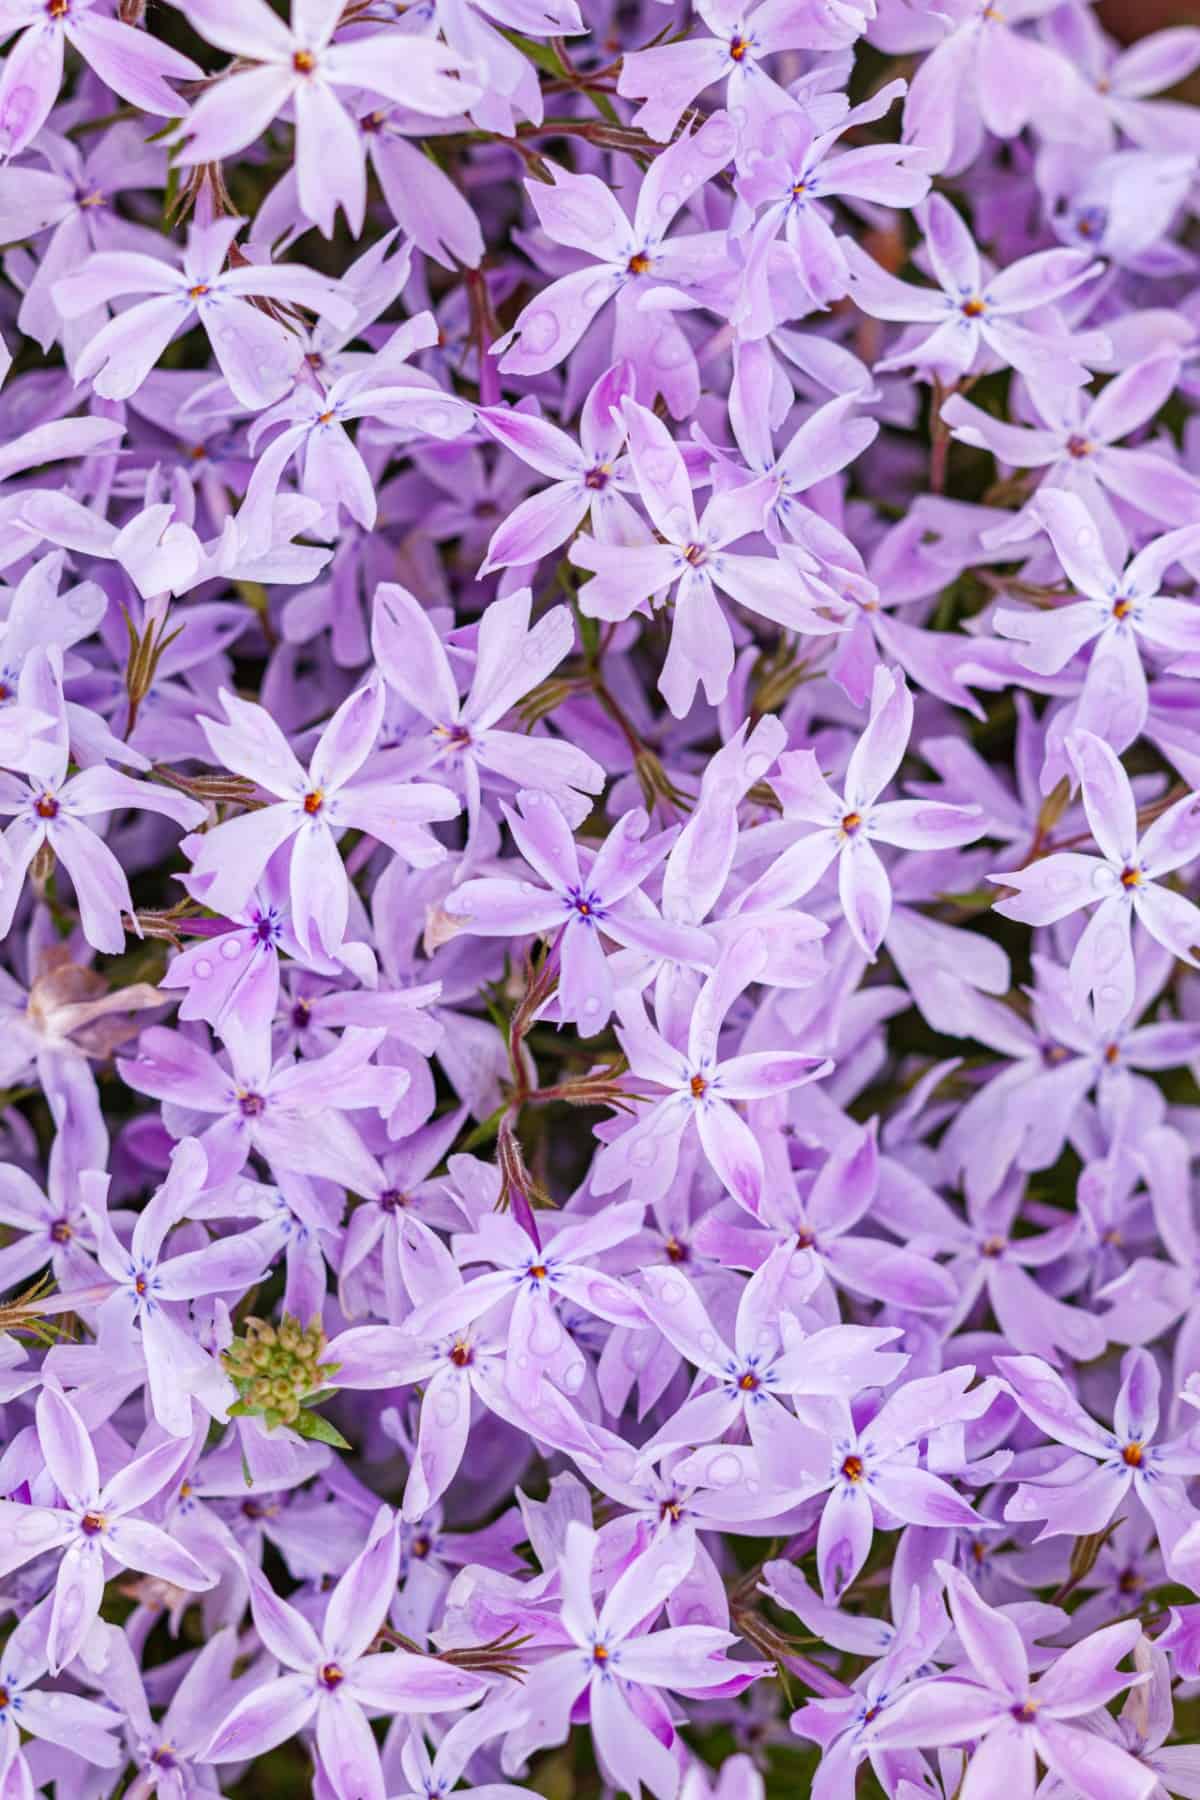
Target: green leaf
319,1431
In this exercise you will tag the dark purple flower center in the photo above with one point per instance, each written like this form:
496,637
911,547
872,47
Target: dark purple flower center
250,1105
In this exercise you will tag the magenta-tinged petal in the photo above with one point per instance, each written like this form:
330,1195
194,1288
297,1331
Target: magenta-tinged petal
843,1539
76,1605
626,1747
1054,887
120,357
1095,1767
865,894
952,249
265,1717
1102,966
441,1439
29,84
552,324
101,890
348,1751
1045,1397
402,1683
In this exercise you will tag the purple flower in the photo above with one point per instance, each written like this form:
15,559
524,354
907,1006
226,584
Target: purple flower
465,739
698,1087
622,1667
692,553
971,313
50,810
312,806
582,903
92,1523
992,1701
844,824
334,1678
132,63
1123,1459
302,66
1123,878
290,1113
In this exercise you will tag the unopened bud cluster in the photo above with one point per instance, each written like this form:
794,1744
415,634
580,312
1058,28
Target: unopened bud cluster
276,1368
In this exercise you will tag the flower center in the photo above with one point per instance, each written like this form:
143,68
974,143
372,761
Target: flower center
599,1654
993,1246
852,1469
973,308
1131,877
851,822
250,1105
1078,447
738,46
537,1271
139,1286
46,806
748,1382
60,1232
597,478
698,1086
638,264
460,1354
314,801
420,1548
694,554
392,1199
671,1511
1131,1455
304,62
676,1252
92,1524
1026,1712
1112,1053
198,292
331,1676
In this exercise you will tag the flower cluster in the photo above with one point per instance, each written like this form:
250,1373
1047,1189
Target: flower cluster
599,901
